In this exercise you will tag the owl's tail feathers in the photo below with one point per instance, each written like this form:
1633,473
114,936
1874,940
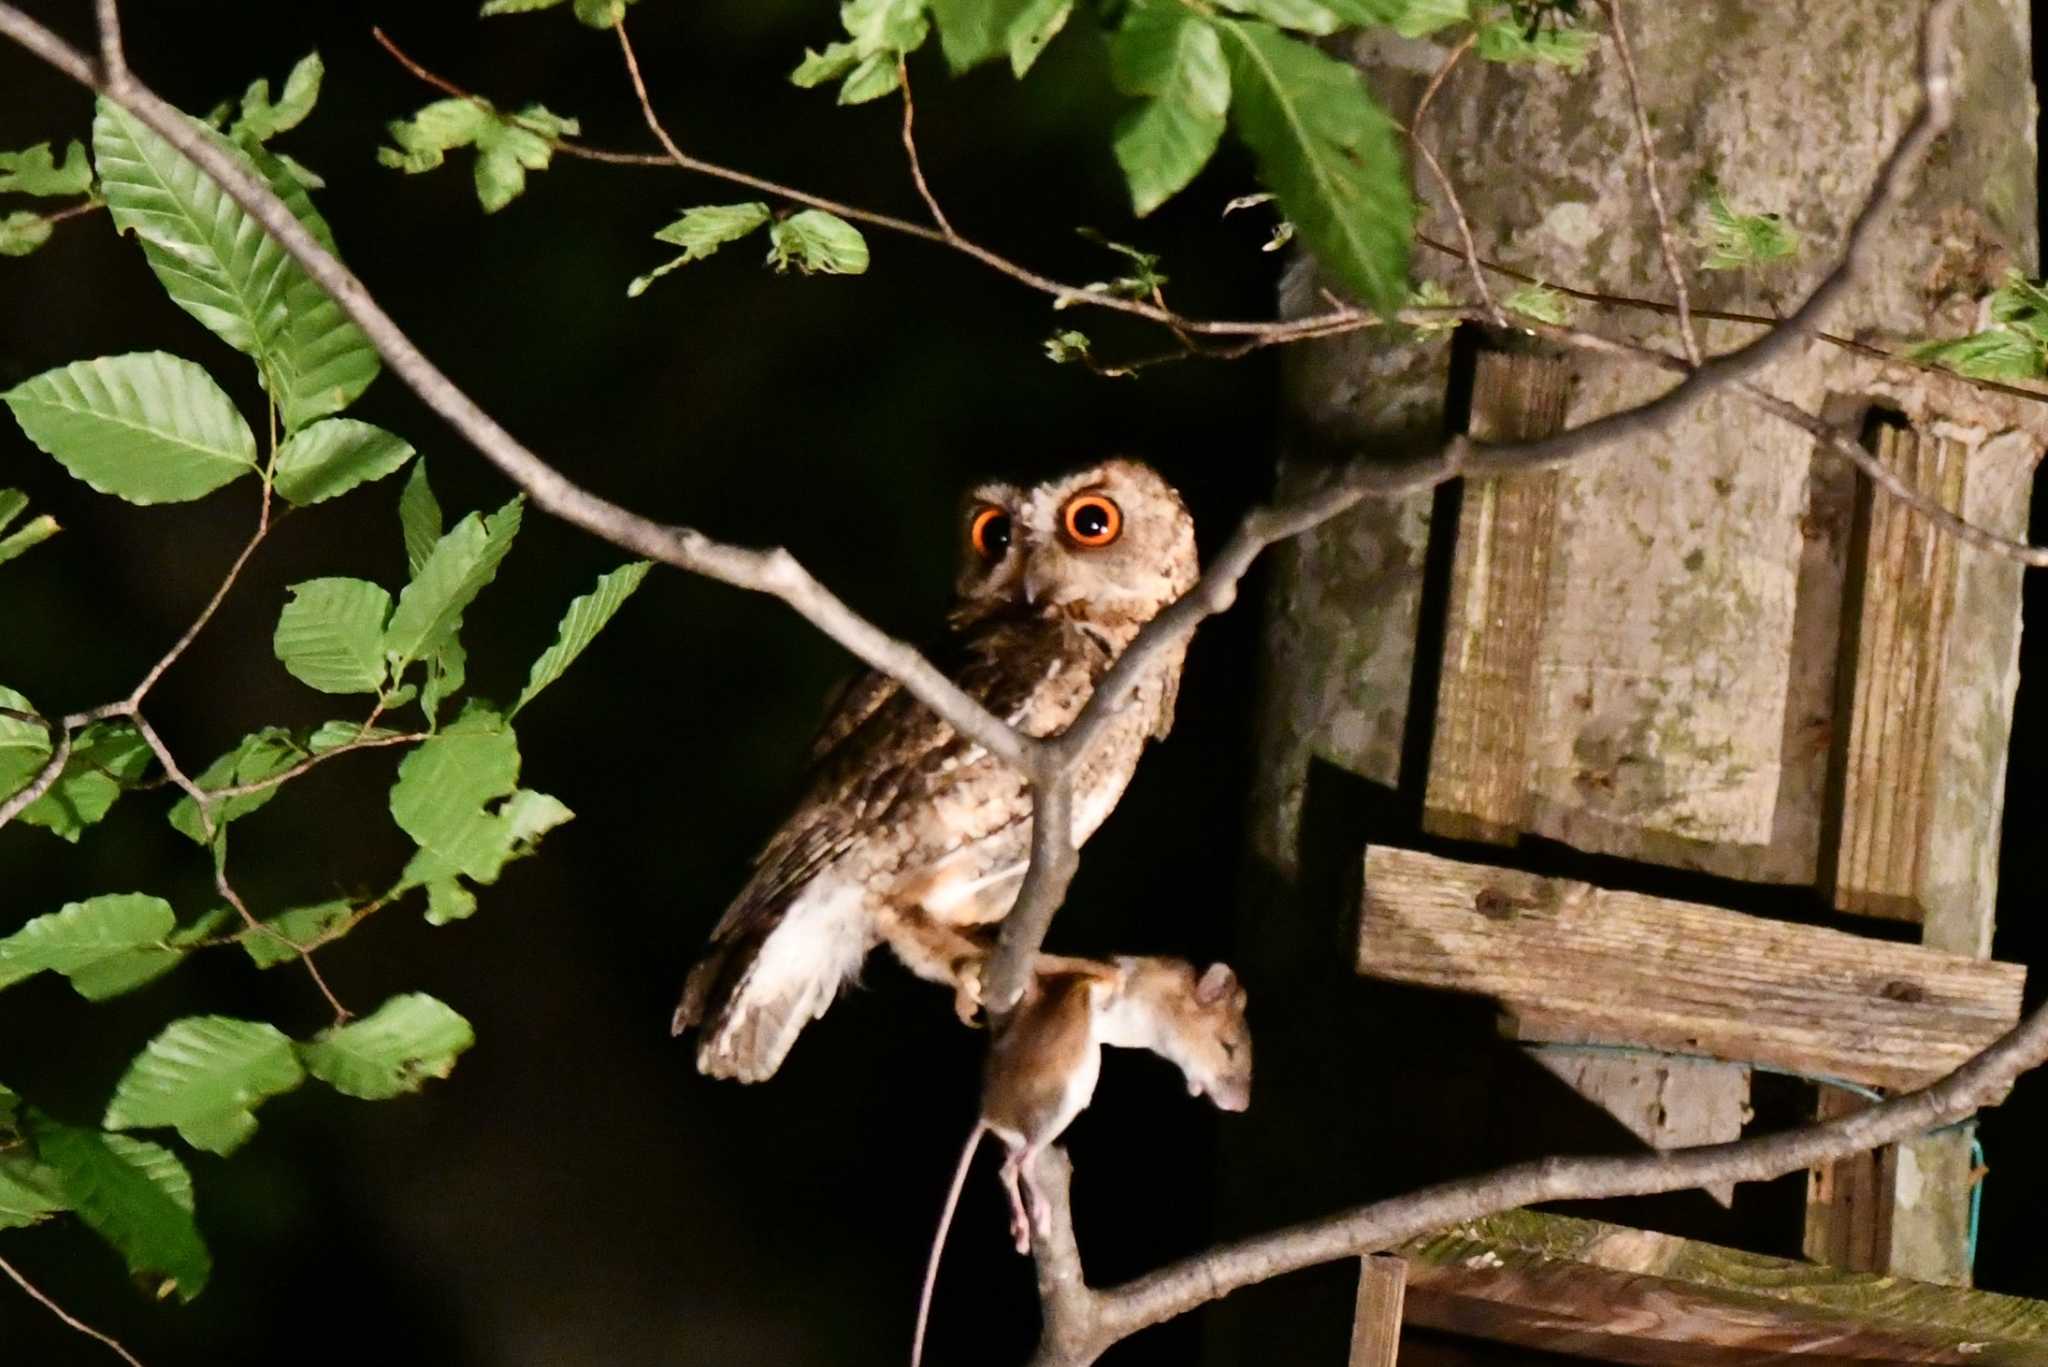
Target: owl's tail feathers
754,995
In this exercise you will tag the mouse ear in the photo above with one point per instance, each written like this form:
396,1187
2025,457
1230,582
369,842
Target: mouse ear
1215,985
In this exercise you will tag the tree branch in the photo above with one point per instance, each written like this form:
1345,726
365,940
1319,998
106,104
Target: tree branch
72,1320
773,572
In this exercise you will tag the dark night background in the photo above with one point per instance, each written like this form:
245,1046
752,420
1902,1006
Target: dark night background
576,1193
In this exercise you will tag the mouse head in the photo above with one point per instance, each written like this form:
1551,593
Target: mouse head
1195,1019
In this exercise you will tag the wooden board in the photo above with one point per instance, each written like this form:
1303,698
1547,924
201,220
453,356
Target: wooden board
1899,630
1849,1201
1668,1103
1376,1326
1500,573
1633,1296
1571,960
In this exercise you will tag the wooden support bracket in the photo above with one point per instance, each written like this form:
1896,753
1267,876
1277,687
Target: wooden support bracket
1572,961
1376,1330
1500,571
1899,630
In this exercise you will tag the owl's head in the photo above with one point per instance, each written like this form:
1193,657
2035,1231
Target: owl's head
1111,540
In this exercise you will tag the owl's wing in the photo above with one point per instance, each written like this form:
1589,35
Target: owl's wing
850,704
803,923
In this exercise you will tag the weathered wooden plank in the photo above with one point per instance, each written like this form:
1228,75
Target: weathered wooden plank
1567,958
1668,1103
1907,586
1500,572
1376,1328
1626,1295
1849,1201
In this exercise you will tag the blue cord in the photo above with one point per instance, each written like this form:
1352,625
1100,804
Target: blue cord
1856,1088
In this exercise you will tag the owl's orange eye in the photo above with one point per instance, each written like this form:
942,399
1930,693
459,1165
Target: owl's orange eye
990,533
1092,520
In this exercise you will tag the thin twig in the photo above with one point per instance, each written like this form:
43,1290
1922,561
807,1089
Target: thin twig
931,201
19,802
286,775
1443,73
1651,172
1464,225
1836,339
220,593
1443,179
70,1319
1062,294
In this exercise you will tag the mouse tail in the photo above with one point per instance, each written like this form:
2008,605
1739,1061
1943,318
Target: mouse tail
931,1271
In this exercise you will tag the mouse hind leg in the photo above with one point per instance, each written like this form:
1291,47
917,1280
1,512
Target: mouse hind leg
1020,1220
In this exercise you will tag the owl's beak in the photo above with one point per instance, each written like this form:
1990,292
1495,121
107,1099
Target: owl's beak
1040,582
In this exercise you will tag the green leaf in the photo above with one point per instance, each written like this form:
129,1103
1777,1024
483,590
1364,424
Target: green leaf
700,232
330,635
1540,302
1305,16
447,671
879,34
975,31
828,65
390,1052
305,926
601,13
331,457
1998,354
33,171
580,624
2021,305
82,933
448,900
1032,30
204,1076
492,7
33,533
221,267
148,427
1329,153
130,969
1164,51
261,120
419,519
1409,18
1431,294
260,755
444,789
127,1192
1063,347
816,242
106,758
332,735
30,1192
1738,241
1508,40
507,145
22,232
455,572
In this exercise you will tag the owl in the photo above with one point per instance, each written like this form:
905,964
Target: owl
911,835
